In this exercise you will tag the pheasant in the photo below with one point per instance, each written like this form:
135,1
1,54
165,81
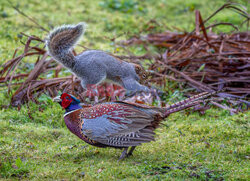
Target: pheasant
118,124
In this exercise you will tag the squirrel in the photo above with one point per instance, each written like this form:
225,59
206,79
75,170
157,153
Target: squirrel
93,66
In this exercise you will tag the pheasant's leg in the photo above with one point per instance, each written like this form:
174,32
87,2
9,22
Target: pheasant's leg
124,154
131,150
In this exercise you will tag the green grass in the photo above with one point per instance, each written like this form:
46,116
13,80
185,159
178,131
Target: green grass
212,146
36,145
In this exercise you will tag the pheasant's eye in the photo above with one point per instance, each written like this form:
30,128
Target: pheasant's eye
144,75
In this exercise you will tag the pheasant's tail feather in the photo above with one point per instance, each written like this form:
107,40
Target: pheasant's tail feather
191,99
187,103
182,107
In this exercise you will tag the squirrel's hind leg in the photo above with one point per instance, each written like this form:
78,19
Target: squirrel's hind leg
83,84
132,85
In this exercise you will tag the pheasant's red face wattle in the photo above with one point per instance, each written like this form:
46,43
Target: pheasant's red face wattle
66,100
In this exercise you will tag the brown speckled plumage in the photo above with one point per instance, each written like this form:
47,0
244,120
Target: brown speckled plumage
119,124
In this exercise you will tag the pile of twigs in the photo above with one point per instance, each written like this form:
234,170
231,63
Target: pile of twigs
206,62
203,60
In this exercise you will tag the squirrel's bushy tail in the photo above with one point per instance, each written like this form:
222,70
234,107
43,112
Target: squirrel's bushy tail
61,40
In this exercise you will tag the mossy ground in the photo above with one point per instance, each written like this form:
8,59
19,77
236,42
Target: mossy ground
36,145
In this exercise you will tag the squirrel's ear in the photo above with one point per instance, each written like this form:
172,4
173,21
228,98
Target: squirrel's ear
83,25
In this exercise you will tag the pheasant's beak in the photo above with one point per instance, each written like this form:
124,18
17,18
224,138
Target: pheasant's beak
57,99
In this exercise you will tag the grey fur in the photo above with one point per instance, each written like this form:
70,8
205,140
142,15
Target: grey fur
91,66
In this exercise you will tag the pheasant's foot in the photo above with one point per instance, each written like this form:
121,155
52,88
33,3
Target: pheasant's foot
123,155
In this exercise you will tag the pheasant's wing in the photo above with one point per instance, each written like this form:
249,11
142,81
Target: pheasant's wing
148,109
117,124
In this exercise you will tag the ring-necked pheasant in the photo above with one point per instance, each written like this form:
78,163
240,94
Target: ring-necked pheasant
118,124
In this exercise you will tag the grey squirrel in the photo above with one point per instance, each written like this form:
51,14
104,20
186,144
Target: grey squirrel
93,66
